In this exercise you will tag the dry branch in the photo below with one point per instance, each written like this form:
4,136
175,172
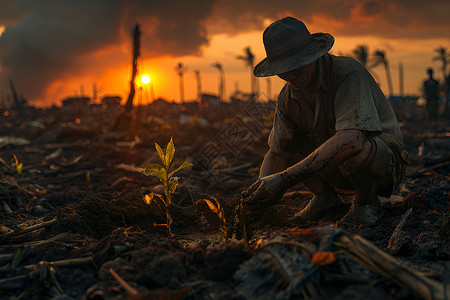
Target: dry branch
396,235
387,266
65,263
27,229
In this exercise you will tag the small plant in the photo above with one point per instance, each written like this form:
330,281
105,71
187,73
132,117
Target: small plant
19,166
216,208
169,181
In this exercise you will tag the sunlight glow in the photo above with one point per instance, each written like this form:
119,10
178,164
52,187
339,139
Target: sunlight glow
145,79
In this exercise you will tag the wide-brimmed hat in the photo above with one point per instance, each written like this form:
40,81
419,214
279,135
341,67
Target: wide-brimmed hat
289,45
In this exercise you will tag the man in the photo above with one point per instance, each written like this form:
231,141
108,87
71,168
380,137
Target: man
431,90
333,126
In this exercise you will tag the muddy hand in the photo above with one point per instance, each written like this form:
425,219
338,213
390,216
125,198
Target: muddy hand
264,192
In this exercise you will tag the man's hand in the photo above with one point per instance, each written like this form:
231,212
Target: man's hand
265,192
259,196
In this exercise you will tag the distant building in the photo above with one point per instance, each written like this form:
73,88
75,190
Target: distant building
77,105
111,102
208,100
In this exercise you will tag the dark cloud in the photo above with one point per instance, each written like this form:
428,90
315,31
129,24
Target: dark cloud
387,19
54,39
49,40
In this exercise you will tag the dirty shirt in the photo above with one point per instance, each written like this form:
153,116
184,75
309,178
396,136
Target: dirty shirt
347,97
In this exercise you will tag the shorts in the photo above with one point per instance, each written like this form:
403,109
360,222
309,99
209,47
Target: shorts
387,159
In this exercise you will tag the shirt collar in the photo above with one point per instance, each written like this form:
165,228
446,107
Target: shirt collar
323,74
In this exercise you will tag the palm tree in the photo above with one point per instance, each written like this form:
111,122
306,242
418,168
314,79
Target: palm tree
249,59
379,57
181,69
199,84
444,57
361,54
219,68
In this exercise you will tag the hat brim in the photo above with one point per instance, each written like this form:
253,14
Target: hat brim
320,44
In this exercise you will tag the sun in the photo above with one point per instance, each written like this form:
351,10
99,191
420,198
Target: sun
145,79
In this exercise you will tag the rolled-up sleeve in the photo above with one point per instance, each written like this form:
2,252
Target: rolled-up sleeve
354,105
282,134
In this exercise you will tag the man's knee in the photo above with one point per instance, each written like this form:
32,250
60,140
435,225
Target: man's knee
378,168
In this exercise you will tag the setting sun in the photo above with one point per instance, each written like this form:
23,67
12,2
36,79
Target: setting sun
145,79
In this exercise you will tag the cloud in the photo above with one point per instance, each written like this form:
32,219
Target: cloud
50,40
392,19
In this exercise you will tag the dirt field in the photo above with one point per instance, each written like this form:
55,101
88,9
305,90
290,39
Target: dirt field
82,185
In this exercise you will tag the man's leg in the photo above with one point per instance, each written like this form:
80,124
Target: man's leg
324,200
370,174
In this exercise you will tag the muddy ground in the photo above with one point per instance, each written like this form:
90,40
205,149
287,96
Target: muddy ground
82,180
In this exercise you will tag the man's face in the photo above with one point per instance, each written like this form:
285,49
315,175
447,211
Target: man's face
300,77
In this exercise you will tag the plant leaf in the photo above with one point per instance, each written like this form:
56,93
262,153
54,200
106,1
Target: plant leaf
217,202
170,153
211,205
150,198
156,170
160,152
173,184
183,165
19,168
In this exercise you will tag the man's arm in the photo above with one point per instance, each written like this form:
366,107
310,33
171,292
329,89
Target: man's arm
273,163
343,145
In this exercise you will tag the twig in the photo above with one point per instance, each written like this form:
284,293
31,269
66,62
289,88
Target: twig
388,267
128,288
287,277
66,262
4,258
398,229
27,229
425,170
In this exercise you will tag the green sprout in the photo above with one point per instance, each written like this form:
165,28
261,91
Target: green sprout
218,210
18,166
169,181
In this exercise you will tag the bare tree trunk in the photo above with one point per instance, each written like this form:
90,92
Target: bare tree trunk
124,119
389,79
222,86
15,97
181,88
136,54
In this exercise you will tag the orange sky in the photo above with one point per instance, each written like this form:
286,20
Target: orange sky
53,52
416,57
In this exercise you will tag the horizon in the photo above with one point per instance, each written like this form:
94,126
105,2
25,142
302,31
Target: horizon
53,52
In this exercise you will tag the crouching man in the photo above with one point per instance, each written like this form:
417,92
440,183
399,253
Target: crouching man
333,129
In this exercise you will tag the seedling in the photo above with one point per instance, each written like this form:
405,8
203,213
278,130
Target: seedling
169,181
18,166
216,208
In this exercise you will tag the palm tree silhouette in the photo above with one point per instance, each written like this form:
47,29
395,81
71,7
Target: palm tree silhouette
219,68
361,54
199,84
181,69
379,57
443,56
249,59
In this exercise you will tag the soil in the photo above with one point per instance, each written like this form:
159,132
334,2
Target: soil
87,179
